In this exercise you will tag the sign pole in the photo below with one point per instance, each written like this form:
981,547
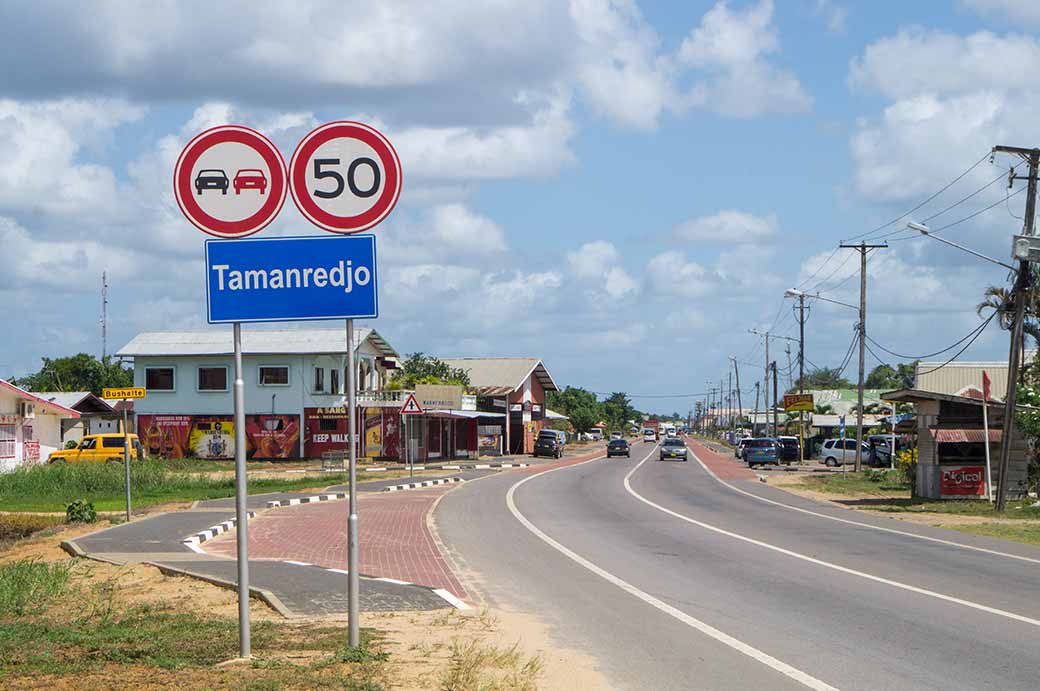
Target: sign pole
353,582
241,517
985,431
126,460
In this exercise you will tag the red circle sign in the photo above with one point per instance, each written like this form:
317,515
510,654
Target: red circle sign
345,177
230,181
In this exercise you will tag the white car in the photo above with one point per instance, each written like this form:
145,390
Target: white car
649,435
837,452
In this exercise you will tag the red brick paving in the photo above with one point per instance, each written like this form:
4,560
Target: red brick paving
395,541
726,466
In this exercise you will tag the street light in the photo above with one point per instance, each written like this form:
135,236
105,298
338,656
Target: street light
924,230
794,293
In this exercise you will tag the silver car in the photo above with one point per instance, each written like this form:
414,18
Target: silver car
674,448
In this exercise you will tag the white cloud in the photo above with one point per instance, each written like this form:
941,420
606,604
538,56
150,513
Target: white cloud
1020,10
671,273
730,48
600,261
727,226
833,14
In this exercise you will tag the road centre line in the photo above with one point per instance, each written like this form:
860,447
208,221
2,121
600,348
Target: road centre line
741,647
826,564
938,540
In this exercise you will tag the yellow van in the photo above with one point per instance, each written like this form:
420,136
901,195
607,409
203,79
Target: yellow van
99,448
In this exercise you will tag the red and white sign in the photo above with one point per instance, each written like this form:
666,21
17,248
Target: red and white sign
30,453
962,481
345,177
230,181
411,406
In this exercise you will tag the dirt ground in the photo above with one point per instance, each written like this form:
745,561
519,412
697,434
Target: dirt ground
421,644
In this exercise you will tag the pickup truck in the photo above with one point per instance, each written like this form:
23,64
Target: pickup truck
99,448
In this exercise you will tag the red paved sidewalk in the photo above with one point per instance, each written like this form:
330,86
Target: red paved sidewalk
395,541
726,466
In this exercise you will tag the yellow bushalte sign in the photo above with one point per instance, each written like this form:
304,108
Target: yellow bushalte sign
131,392
794,402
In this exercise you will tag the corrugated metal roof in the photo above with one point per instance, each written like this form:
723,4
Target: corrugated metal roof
964,436
254,342
45,405
71,399
499,376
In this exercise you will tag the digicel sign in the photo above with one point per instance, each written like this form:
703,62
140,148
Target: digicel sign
962,481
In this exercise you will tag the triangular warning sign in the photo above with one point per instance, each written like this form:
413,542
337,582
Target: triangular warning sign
411,406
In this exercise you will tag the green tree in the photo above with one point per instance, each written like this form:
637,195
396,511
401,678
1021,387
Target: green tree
419,368
80,372
826,378
901,376
577,404
1002,302
617,410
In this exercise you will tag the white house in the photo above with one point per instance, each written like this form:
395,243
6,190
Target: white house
30,427
294,389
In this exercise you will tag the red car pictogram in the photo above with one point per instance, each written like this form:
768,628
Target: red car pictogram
250,179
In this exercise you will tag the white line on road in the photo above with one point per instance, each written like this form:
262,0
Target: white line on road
826,564
741,647
905,533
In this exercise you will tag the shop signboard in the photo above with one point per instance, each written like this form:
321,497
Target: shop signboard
30,453
291,279
962,480
795,402
439,396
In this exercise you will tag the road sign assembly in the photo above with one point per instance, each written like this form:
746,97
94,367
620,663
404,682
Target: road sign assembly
291,279
411,406
124,393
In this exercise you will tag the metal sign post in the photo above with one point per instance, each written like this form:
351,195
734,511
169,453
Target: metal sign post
241,518
353,581
126,460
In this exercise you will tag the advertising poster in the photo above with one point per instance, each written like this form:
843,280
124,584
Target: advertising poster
373,433
165,436
962,481
434,444
212,437
325,430
392,434
272,437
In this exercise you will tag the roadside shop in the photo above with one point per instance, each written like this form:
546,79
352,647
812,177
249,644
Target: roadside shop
30,427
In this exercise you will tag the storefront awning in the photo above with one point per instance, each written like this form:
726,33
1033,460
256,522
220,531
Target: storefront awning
964,436
462,414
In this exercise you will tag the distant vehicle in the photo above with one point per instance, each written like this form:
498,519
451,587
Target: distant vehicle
762,451
790,449
837,452
882,452
674,447
250,179
616,435
548,444
738,450
649,434
618,447
99,448
594,434
211,179
669,430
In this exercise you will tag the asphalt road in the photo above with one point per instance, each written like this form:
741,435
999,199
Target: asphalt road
679,582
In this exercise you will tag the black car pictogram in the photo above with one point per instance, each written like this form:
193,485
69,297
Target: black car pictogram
211,179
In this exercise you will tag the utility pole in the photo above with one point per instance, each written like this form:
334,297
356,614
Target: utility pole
736,369
790,370
104,315
801,374
754,414
721,399
730,404
862,247
766,334
1022,286
776,430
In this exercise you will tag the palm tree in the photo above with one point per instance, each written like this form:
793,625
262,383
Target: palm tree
823,409
1002,302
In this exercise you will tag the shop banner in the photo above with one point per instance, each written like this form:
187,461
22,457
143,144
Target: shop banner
268,437
391,434
373,433
212,437
272,436
962,481
165,436
30,453
325,431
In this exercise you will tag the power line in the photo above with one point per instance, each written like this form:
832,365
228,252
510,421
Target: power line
966,346
938,352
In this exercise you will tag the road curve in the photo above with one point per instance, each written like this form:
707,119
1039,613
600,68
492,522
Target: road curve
621,572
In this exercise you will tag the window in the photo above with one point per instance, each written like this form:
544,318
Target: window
319,380
334,380
213,378
158,378
6,441
274,375
88,443
112,442
850,444
327,424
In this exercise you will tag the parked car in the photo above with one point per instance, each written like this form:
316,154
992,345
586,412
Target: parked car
99,448
594,434
738,450
762,451
618,447
548,444
835,452
674,447
790,449
250,179
211,179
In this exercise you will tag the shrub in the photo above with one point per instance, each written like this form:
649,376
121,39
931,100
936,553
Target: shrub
875,475
906,464
81,511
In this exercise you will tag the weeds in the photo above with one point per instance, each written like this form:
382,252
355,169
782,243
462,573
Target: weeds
28,586
478,667
19,526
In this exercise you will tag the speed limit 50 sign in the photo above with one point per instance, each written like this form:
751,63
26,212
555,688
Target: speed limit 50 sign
345,177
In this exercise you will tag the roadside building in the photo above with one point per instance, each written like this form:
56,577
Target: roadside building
294,392
30,427
510,386
96,416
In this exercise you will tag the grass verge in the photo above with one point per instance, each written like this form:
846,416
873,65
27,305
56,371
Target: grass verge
477,666
1028,534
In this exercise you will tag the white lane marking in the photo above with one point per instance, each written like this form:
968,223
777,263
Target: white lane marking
827,564
905,533
741,647
451,599
298,563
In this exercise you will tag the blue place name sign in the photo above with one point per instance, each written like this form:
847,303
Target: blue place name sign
291,279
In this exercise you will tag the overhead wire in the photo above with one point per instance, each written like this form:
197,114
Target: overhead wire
938,352
966,346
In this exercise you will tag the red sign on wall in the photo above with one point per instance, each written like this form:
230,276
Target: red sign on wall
962,481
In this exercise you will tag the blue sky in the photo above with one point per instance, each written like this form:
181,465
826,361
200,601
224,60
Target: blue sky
622,189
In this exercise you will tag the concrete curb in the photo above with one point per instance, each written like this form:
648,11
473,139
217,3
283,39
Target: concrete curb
448,466
306,500
213,531
425,483
269,598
